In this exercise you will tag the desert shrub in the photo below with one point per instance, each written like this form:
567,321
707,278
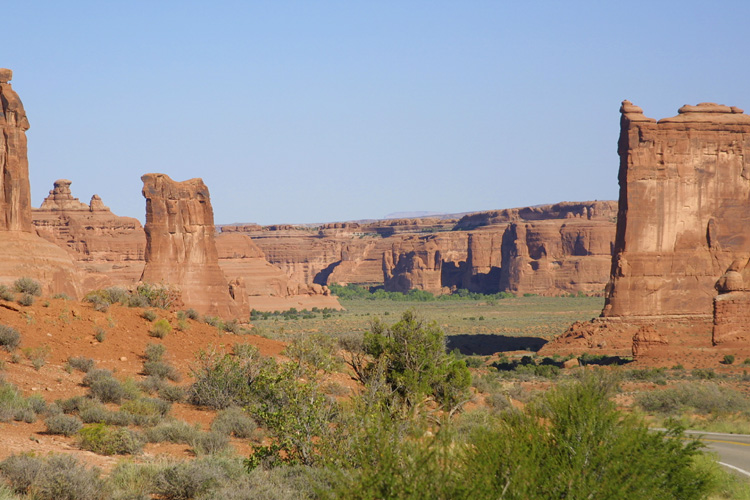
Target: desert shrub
172,393
234,421
56,477
146,411
185,481
173,431
94,375
6,293
222,380
27,286
160,296
37,355
232,326
335,389
149,315
317,351
9,338
80,363
107,390
411,357
67,425
136,300
100,334
192,314
294,410
109,440
213,321
208,443
573,443
728,359
161,370
155,352
26,299
150,385
707,398
13,406
160,329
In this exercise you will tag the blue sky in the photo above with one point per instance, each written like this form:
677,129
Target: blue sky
316,111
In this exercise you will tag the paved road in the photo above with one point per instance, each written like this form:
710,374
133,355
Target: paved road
733,449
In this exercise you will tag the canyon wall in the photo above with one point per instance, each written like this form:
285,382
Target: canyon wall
24,253
549,250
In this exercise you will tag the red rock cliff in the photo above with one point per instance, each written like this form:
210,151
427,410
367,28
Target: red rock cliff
684,209
180,245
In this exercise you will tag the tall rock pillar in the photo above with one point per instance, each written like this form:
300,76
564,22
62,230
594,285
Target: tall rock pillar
181,245
15,195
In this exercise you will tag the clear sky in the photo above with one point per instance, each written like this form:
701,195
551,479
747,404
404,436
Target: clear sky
315,111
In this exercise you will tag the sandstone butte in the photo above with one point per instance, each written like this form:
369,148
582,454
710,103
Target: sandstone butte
683,232
181,247
546,250
24,252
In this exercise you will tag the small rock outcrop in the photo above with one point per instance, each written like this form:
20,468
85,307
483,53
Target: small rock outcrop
181,247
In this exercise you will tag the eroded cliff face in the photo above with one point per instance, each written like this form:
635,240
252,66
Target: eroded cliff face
181,247
565,248
109,249
23,252
15,195
684,209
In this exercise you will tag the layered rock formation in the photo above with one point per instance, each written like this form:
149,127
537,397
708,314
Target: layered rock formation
683,223
24,253
684,209
551,249
181,247
109,248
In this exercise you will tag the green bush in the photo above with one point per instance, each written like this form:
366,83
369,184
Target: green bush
162,297
192,314
67,425
707,398
9,338
100,334
222,380
107,390
728,359
56,477
161,328
317,351
146,411
27,286
411,356
108,440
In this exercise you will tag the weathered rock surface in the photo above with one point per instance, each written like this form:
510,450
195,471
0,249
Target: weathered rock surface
181,247
684,208
109,249
549,250
266,285
683,223
23,252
